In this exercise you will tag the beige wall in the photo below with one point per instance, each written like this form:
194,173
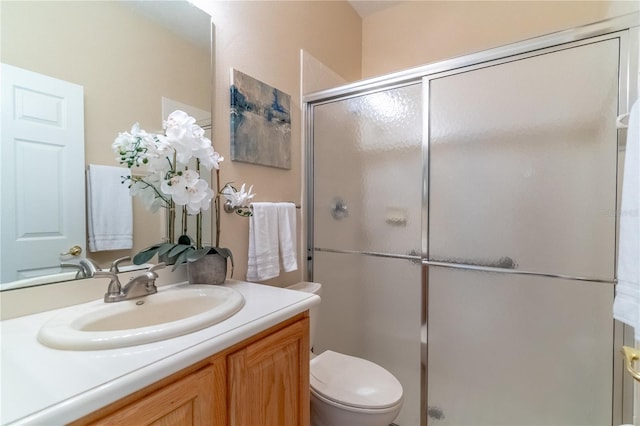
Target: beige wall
263,39
416,33
125,64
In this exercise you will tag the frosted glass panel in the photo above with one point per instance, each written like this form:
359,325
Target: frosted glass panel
371,309
367,154
508,349
523,163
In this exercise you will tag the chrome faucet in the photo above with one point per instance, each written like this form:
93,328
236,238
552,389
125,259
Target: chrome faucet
79,269
89,267
142,285
86,267
115,265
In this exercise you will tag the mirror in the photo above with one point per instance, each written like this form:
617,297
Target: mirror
136,60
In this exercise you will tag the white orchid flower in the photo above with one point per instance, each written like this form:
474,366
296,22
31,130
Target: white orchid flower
147,189
159,156
177,124
135,148
187,189
194,206
176,185
123,143
167,156
237,198
209,158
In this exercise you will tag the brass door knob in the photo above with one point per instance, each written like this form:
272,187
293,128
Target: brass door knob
73,251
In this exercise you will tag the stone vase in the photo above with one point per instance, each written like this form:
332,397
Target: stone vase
210,269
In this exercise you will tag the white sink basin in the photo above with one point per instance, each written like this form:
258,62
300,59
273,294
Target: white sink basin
171,312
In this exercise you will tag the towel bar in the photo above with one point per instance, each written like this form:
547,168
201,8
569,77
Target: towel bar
228,209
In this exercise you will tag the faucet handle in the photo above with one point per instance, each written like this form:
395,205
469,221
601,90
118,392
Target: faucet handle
154,268
115,288
114,265
105,274
80,273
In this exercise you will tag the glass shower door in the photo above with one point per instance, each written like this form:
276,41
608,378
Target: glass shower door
367,174
521,252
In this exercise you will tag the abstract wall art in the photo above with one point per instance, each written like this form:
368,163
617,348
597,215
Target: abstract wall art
260,122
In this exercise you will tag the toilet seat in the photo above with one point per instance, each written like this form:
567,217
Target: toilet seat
354,382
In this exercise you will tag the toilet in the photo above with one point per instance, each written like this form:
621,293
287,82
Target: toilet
346,390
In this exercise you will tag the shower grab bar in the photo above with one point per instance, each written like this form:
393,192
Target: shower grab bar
504,261
480,268
411,257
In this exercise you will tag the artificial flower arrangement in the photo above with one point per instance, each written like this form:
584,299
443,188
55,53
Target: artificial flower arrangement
169,182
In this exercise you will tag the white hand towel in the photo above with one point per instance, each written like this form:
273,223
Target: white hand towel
287,235
626,306
110,220
263,260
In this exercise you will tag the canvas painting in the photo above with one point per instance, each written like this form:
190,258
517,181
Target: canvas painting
260,122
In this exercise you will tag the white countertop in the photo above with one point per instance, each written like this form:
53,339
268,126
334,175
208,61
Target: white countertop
47,386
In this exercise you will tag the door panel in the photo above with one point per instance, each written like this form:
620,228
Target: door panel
522,350
370,309
523,163
523,168
42,177
360,146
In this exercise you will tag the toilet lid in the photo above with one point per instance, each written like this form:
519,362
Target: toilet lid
353,381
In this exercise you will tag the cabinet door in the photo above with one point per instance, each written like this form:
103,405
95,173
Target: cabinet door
269,379
187,402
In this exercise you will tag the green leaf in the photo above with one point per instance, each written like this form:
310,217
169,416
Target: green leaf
224,252
151,248
178,249
164,248
194,255
181,259
145,255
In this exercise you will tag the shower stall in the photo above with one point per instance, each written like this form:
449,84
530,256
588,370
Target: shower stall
463,219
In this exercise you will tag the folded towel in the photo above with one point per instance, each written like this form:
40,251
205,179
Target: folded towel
263,261
626,306
110,214
287,235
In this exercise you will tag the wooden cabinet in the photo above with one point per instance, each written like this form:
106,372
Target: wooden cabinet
269,380
261,381
185,402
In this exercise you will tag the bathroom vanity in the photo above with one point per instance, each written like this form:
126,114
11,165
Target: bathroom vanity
252,368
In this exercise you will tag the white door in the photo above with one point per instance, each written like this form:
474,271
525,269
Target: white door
42,174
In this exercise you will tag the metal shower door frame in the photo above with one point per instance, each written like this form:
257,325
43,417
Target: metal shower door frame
626,28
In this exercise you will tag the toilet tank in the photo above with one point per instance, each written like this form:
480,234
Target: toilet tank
315,288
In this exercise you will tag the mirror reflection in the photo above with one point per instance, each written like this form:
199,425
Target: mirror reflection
132,62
